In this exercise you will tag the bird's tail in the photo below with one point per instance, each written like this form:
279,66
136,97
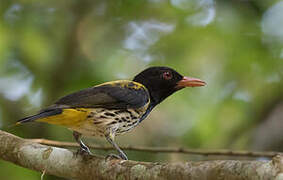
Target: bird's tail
43,114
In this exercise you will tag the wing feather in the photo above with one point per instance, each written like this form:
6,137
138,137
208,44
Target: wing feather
116,94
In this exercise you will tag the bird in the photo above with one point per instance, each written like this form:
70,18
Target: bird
114,107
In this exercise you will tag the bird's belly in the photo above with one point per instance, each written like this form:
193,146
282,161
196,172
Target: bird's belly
88,129
100,121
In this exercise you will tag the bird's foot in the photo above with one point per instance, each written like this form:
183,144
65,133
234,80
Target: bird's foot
115,156
83,151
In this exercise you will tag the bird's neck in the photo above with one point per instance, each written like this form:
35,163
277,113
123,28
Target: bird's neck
157,94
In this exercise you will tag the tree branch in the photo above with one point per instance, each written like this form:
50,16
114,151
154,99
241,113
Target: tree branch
64,163
221,152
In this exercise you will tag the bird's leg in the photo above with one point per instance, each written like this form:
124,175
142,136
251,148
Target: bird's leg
83,148
122,155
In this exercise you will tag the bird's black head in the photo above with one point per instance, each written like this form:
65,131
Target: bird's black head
161,82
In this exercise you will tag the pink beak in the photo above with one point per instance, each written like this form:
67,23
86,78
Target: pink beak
190,82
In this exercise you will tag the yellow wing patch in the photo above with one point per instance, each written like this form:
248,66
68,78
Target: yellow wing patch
124,83
69,117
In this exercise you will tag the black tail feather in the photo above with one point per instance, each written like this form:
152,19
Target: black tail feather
43,114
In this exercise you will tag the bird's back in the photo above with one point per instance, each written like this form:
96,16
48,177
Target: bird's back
117,106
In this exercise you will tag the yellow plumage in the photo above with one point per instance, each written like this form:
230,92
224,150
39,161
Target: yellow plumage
68,118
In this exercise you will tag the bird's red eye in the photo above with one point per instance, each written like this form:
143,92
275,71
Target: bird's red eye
167,75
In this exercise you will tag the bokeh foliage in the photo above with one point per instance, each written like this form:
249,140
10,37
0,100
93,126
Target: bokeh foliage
51,48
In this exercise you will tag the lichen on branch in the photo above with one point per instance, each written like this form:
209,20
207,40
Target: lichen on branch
64,163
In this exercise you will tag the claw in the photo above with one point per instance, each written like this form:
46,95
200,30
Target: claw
83,151
121,155
115,156
110,157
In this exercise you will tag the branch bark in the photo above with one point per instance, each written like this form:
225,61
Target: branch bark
219,152
64,163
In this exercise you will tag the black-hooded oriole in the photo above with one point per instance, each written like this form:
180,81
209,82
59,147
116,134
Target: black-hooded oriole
115,107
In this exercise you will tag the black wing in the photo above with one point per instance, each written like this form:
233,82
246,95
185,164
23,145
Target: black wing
117,95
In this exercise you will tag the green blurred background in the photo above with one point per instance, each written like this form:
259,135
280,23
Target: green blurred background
51,48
